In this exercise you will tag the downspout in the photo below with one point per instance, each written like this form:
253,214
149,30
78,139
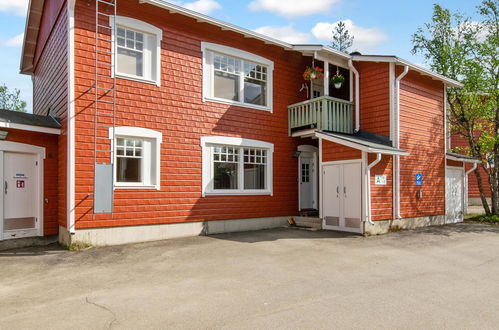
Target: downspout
357,95
71,121
374,163
475,165
396,140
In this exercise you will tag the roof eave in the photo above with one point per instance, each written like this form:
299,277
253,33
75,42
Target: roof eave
223,25
32,27
464,160
397,60
360,146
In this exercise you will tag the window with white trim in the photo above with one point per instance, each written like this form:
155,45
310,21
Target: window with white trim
237,77
137,157
236,166
138,50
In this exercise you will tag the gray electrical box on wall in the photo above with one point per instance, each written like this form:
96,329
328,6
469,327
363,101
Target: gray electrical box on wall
103,188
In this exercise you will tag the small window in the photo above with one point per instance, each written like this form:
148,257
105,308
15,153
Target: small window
138,50
237,77
236,168
137,159
129,160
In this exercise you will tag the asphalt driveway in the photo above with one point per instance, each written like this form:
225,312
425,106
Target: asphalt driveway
432,278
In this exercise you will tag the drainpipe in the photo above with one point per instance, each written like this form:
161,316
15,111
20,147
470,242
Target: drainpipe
357,95
396,140
475,165
376,161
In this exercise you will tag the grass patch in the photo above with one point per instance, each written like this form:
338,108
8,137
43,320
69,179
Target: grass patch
79,246
395,229
481,218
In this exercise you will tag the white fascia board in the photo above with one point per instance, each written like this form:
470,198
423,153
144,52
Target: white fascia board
395,59
223,25
473,161
359,146
31,128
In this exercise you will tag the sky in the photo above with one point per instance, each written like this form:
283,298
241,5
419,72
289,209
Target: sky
379,27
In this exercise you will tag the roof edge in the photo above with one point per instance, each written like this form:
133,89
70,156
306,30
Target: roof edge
31,29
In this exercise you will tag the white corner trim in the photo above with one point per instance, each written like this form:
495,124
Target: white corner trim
208,48
136,132
236,141
70,202
140,26
31,128
206,157
22,148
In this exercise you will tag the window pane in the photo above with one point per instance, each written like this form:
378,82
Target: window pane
121,32
129,169
255,92
226,86
130,62
225,175
254,176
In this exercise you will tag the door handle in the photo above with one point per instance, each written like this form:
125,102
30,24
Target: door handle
6,185
337,191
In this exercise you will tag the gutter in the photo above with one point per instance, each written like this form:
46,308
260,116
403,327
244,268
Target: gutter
357,95
396,140
466,174
374,163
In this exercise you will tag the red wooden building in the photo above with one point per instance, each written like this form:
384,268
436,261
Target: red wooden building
172,123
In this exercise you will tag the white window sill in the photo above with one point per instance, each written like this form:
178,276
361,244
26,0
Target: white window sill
238,193
128,186
138,79
238,104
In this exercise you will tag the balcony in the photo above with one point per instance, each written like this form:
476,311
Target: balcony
323,113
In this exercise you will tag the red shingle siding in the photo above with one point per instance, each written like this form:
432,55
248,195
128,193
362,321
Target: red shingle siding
50,178
422,135
176,109
374,97
50,84
382,195
334,152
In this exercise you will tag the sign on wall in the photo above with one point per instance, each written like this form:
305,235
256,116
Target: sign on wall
20,184
380,180
419,179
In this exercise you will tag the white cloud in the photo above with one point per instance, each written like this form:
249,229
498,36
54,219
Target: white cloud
365,39
18,7
293,8
16,41
200,6
285,33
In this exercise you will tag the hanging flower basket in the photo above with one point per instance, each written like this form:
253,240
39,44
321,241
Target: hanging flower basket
337,80
313,73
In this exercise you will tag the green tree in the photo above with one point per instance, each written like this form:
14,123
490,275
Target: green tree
467,51
342,40
10,100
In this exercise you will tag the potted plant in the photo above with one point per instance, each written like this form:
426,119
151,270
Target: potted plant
312,73
337,80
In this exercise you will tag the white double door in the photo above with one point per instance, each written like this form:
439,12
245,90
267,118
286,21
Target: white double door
454,194
20,191
342,197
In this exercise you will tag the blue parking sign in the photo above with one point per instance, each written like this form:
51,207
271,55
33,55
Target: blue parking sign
419,179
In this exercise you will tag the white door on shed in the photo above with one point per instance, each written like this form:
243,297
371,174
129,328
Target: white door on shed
20,195
342,188
454,194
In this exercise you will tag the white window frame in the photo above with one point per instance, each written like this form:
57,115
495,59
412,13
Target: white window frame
208,74
156,138
143,27
207,143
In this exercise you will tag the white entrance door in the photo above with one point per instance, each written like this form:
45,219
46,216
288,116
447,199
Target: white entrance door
307,181
342,187
20,195
454,194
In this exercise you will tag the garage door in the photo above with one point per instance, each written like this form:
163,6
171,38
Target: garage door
454,194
